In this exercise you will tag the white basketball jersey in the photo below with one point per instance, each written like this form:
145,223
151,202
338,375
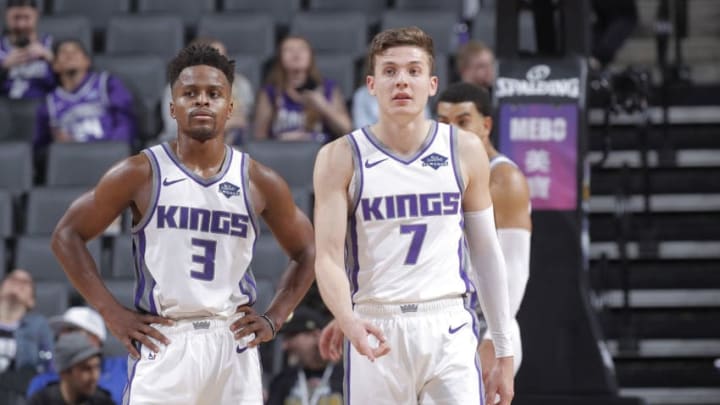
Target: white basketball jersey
405,236
193,246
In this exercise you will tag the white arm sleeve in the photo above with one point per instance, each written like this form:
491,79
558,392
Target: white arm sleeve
515,245
489,264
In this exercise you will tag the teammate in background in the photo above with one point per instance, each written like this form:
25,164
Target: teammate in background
195,201
25,55
469,107
398,192
476,64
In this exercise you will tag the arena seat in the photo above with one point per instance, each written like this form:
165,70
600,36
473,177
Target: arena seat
144,34
33,254
188,10
292,160
82,164
440,25
16,167
247,33
67,27
98,12
45,207
333,32
281,10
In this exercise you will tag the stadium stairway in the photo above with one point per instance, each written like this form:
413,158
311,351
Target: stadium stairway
666,342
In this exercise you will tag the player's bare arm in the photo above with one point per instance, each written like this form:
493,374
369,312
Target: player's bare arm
127,184
273,201
486,256
331,178
511,198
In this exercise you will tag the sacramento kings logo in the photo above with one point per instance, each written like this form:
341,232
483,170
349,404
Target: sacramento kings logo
229,189
435,161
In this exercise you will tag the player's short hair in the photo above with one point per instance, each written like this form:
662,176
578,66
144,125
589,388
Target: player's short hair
200,54
57,45
462,92
468,50
394,37
21,3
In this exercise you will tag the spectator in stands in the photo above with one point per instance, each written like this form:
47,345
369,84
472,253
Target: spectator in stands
310,380
87,106
113,370
25,55
476,64
78,361
25,338
297,103
243,99
365,108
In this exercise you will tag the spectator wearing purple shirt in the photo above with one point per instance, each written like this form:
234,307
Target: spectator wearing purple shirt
87,106
25,55
297,104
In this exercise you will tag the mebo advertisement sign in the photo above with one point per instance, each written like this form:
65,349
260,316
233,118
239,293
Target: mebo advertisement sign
542,140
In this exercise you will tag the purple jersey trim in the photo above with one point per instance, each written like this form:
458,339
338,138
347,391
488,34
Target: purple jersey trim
426,145
356,151
248,276
346,383
245,176
131,376
198,179
456,160
354,252
155,196
140,281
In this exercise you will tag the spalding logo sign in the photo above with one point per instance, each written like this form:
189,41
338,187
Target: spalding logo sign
536,84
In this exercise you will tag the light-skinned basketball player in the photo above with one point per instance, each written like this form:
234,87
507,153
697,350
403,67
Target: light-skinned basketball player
404,194
468,106
195,202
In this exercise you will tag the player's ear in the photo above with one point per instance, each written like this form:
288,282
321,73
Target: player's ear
172,109
488,123
433,85
370,83
231,107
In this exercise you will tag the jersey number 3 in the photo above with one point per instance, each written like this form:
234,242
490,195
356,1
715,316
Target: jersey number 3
418,236
207,259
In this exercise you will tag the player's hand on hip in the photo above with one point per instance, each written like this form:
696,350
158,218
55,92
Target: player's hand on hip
129,325
500,382
367,338
331,341
251,323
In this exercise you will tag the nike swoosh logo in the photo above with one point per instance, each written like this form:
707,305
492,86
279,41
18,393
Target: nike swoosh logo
170,183
239,350
452,330
369,165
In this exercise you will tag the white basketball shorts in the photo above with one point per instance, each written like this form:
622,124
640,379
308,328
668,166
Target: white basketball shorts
202,365
433,357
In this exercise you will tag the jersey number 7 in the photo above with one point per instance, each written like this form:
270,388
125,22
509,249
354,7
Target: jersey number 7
418,231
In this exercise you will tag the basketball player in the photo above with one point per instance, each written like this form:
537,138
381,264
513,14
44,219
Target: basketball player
468,107
195,203
400,192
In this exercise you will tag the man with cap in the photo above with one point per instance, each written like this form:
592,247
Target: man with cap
78,361
113,374
310,380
